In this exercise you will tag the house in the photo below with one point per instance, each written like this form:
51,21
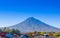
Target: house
3,34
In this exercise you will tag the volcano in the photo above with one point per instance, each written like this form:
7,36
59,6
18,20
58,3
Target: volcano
32,24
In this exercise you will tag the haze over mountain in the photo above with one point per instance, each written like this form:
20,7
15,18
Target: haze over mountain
31,24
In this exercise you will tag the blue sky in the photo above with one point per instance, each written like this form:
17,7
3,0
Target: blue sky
15,11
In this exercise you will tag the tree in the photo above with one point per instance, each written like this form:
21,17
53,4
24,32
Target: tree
6,29
17,32
43,33
0,30
35,32
12,31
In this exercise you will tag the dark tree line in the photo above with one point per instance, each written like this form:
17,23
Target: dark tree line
12,31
